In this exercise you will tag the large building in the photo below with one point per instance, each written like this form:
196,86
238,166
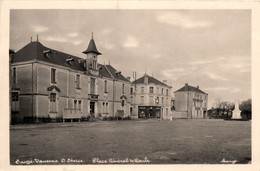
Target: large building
190,102
151,98
46,83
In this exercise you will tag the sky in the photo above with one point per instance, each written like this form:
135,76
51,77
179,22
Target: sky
206,48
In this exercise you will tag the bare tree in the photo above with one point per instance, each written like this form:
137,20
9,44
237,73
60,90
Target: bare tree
217,102
223,108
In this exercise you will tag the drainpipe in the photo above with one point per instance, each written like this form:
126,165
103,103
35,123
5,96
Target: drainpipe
113,97
188,104
32,90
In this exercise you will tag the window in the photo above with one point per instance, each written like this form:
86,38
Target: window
79,106
53,74
167,92
75,104
142,99
78,81
53,103
166,111
131,111
158,90
52,97
106,107
123,88
162,91
162,101
15,96
123,103
94,64
92,86
131,91
142,89
14,75
105,86
15,102
150,99
166,101
151,90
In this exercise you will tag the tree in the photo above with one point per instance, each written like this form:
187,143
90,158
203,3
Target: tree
223,108
246,109
217,103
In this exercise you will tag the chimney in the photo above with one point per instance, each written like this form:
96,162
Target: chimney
165,82
128,78
186,86
198,87
145,78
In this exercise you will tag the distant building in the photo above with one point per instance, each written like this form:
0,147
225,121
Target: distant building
46,83
190,102
151,98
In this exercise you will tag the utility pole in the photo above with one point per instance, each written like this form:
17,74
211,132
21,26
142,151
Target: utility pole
134,75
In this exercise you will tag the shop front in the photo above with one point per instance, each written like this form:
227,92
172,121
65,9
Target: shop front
149,111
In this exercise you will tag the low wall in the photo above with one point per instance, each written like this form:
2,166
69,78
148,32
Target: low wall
179,115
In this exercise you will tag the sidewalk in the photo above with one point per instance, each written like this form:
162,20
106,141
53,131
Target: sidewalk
80,124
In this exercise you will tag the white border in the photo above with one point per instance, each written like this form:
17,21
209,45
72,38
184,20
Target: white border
4,71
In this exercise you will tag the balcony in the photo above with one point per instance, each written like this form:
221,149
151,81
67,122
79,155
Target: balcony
72,113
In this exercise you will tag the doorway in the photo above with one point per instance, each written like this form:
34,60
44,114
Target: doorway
92,108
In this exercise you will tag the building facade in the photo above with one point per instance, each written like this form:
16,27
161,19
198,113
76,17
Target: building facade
190,102
150,98
47,83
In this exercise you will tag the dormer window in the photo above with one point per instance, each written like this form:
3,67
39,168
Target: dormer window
118,72
70,60
47,53
94,65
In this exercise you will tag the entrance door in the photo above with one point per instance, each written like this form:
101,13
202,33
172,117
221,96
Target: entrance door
92,108
158,113
204,114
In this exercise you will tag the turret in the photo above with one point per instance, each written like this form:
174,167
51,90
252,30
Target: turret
91,55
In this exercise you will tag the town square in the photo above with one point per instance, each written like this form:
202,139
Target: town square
130,87
160,141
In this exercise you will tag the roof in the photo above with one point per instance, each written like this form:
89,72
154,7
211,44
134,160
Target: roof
111,72
11,52
115,73
35,51
150,80
190,88
92,48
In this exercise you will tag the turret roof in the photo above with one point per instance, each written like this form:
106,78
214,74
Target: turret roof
92,48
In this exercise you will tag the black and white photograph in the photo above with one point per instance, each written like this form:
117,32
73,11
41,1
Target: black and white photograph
130,86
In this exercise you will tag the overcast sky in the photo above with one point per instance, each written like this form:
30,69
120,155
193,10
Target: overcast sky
209,48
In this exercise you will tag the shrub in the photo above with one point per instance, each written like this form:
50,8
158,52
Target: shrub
127,118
